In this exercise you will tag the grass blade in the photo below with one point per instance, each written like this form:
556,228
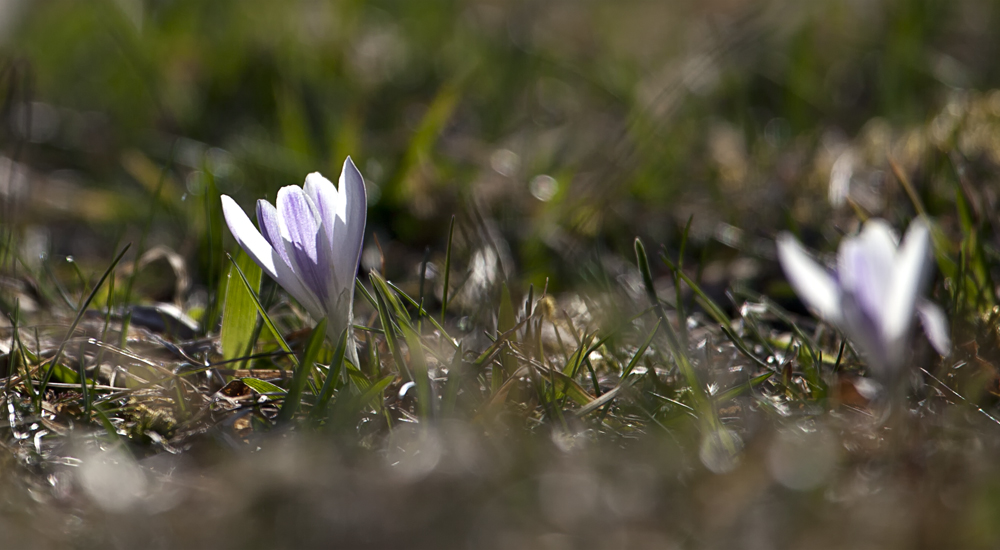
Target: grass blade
263,313
702,401
263,386
332,379
447,269
382,299
76,321
239,316
313,348
418,363
505,322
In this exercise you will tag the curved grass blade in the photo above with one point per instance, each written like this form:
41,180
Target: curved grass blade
372,392
313,348
332,379
447,269
382,300
263,387
76,321
739,390
419,366
639,352
239,316
505,323
680,357
263,314
423,313
456,373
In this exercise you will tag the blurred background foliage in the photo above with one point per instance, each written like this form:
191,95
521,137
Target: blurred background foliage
556,132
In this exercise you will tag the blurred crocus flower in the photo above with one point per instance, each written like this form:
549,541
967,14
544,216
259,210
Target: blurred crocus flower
875,291
310,244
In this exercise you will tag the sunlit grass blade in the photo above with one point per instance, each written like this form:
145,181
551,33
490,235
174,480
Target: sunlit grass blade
23,357
81,373
640,352
358,378
566,386
423,313
488,354
313,348
360,287
447,269
678,298
575,361
911,192
239,315
418,364
375,390
505,322
263,387
811,365
974,278
76,321
211,247
497,399
109,426
456,374
388,321
263,313
716,313
332,379
679,355
741,389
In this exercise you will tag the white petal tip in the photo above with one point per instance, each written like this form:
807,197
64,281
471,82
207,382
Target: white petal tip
316,176
935,325
811,281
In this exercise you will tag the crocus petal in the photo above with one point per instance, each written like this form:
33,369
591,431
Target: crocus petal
813,283
935,325
299,223
353,210
270,228
864,267
248,237
264,255
908,277
324,195
862,330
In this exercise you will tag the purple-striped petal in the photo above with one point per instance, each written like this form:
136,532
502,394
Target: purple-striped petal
299,223
247,236
267,219
865,266
324,195
864,331
266,256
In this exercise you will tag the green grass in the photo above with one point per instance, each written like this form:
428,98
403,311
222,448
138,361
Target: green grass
572,328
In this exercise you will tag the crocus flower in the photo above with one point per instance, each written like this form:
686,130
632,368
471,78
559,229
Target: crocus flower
874,293
310,244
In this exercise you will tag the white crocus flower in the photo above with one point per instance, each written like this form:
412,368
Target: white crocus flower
310,244
874,293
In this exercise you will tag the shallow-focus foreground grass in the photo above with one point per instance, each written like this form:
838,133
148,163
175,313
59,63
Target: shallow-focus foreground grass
572,328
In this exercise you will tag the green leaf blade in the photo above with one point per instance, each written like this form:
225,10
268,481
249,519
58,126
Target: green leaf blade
239,314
